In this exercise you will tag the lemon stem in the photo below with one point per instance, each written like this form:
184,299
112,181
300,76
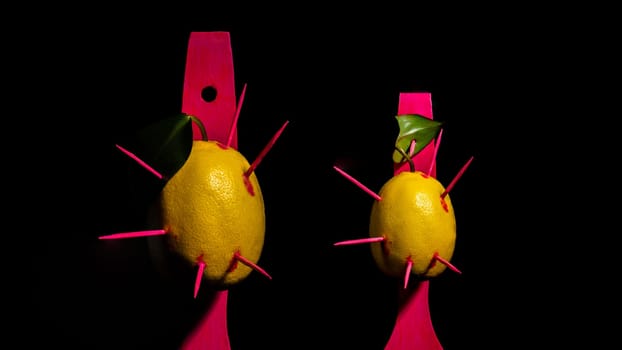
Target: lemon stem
198,122
411,164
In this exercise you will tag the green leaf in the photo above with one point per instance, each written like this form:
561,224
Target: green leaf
414,127
165,145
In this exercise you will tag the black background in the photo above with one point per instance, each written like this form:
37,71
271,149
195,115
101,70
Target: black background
338,85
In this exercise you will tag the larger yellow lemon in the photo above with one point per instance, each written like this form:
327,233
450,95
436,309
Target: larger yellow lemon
212,210
417,224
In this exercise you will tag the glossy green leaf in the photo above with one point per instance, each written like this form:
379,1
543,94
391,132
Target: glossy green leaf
166,144
414,127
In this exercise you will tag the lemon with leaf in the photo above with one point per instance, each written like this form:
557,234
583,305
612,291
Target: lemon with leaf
213,211
415,215
211,206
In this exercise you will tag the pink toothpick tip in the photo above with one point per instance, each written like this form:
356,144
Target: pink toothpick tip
409,267
134,234
411,150
236,117
455,179
251,264
357,183
265,150
436,146
360,241
141,162
446,263
197,280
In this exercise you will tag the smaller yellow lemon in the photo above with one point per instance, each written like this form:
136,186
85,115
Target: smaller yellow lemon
417,224
212,210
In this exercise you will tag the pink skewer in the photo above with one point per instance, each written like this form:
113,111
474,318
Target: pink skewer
197,281
142,163
360,241
134,234
265,150
251,264
436,145
357,183
411,150
446,263
453,182
235,118
409,267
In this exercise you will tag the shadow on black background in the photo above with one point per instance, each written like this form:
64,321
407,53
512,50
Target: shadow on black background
339,90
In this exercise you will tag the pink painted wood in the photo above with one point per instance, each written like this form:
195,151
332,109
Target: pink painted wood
413,327
417,103
209,64
211,333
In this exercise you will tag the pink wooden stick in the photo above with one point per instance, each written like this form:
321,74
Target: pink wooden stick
455,179
197,280
360,241
357,183
234,125
437,143
446,263
251,264
411,150
409,268
140,161
265,150
134,234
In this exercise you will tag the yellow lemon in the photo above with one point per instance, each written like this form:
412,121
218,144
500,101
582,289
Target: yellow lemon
417,224
212,210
